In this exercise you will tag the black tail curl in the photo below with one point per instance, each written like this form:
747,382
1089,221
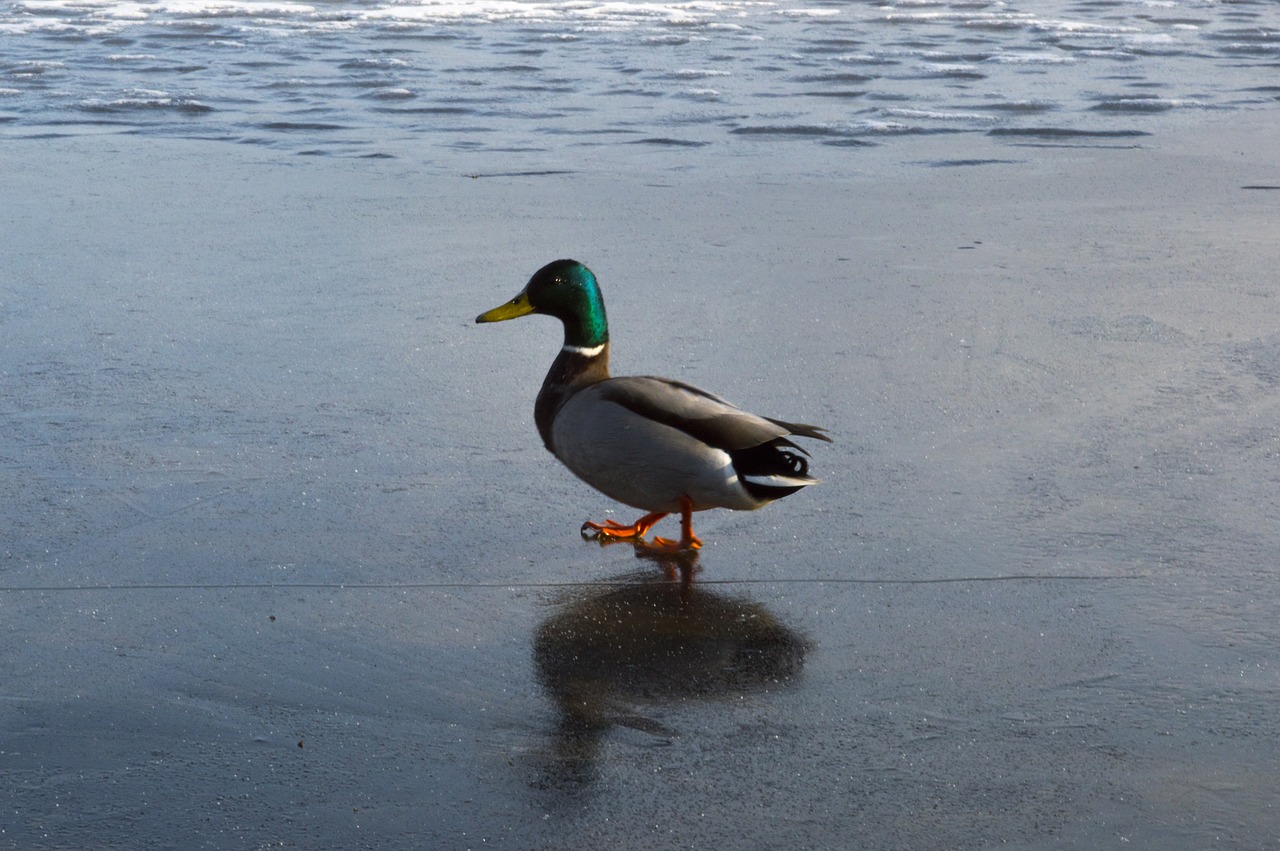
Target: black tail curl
774,458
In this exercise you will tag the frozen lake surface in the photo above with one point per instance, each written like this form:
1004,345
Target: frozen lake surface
283,552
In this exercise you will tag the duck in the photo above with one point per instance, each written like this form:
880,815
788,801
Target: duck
658,445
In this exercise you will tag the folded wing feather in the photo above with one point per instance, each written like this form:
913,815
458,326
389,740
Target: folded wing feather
700,414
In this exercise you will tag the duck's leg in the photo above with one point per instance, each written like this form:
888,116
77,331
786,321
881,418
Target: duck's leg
612,531
688,541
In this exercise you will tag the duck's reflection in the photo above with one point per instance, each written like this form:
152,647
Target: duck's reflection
607,653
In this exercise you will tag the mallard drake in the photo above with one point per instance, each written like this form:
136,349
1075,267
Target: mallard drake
655,444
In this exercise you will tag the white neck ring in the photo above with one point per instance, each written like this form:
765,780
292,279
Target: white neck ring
585,351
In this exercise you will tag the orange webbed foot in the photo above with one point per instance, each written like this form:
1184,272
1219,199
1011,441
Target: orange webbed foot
666,545
610,531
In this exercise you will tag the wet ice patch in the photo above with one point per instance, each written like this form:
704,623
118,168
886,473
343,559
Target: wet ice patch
1261,358
1133,328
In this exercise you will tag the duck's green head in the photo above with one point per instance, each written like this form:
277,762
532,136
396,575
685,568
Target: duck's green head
566,290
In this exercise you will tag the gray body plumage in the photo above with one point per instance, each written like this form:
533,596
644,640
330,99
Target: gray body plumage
647,441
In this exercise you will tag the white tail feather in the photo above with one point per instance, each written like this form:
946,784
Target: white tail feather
779,481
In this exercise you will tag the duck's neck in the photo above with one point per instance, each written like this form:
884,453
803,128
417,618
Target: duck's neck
574,368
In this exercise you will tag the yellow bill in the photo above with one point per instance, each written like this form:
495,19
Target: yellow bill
518,306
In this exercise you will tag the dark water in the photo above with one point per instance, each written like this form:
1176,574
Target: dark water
547,84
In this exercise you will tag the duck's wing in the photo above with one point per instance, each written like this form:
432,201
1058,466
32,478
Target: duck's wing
702,415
